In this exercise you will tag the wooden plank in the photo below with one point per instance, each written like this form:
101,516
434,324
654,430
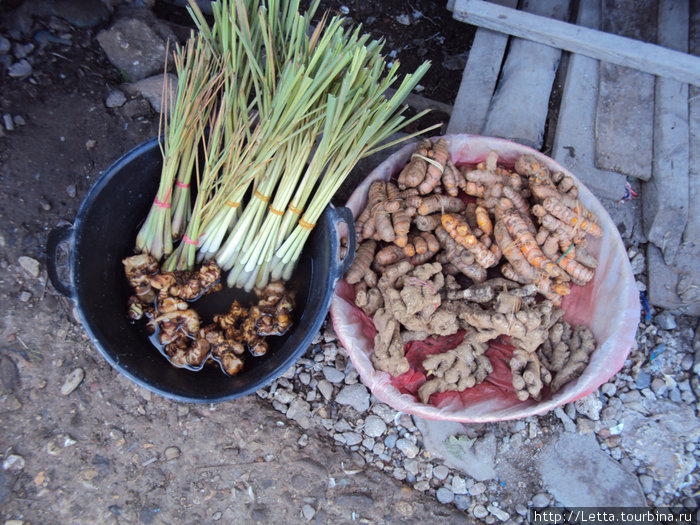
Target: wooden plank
574,145
519,107
625,112
623,51
479,80
665,196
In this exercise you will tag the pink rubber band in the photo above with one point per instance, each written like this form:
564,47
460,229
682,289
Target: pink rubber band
165,204
186,239
181,184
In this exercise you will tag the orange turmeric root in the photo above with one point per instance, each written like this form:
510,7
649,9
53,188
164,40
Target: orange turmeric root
457,227
518,230
414,172
363,260
573,217
438,155
440,203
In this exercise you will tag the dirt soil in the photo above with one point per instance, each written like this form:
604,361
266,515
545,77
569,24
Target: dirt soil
109,451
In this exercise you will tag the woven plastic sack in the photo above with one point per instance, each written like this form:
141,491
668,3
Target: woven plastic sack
609,305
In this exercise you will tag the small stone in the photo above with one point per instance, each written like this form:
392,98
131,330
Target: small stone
642,287
90,144
540,500
284,396
459,485
115,99
30,265
368,443
499,513
440,472
643,380
217,516
357,396
399,473
25,296
409,448
444,495
638,263
665,321
305,378
333,375
477,488
480,512
13,462
647,483
390,440
171,453
687,362
72,381
4,45
45,205
590,406
9,123
325,388
462,502
344,9
374,426
609,389
308,511
20,69
300,411
352,438
404,20
411,466
675,395
70,190
378,448
521,509
19,120
23,50
303,440
422,486
569,425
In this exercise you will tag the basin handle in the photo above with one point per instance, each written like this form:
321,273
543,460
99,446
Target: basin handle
344,216
58,235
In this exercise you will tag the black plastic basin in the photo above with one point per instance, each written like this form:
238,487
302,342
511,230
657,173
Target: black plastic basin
104,233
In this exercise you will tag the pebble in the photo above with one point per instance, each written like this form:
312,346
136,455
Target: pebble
540,500
308,511
521,509
374,426
569,425
590,406
378,448
23,50
390,440
665,321
647,483
30,265
444,495
643,380
45,205
499,513
459,485
115,99
284,396
7,120
422,486
305,378
352,438
19,120
13,462
477,488
409,448
356,396
638,263
20,69
440,472
412,467
658,386
687,362
462,502
333,375
71,191
325,388
368,443
303,440
4,45
25,296
72,381
480,511
171,453
399,473
675,395
300,411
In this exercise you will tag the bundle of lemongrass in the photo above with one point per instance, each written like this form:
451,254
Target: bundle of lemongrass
280,115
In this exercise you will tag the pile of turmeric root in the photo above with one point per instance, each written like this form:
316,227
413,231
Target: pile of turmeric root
482,249
165,300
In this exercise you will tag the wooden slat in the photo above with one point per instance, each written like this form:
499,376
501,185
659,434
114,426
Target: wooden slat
574,145
479,80
665,196
619,50
625,112
519,107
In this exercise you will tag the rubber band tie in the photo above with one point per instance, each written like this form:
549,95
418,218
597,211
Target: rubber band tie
164,204
232,204
186,239
276,212
564,254
264,198
182,185
430,161
306,225
293,209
